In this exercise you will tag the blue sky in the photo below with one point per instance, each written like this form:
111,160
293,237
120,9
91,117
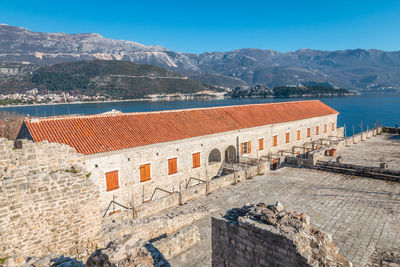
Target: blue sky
201,26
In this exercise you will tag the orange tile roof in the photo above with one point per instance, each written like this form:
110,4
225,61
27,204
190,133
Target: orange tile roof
91,134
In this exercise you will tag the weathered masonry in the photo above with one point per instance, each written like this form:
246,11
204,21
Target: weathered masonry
47,203
270,235
138,157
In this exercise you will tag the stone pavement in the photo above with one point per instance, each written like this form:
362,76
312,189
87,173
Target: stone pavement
372,151
362,214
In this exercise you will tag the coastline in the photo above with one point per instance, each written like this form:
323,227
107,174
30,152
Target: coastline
165,99
77,102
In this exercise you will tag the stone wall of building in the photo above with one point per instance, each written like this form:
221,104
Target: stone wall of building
269,235
47,202
133,192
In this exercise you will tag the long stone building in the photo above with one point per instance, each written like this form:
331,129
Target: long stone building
134,157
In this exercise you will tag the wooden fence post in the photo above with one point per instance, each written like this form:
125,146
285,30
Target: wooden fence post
180,193
133,207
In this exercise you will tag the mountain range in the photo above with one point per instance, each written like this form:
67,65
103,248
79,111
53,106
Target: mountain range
356,69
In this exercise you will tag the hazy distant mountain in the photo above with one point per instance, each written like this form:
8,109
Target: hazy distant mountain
353,69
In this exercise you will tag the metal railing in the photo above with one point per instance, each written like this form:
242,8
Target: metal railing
115,203
160,189
196,179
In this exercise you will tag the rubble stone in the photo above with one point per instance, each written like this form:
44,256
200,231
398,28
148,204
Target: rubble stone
129,252
269,235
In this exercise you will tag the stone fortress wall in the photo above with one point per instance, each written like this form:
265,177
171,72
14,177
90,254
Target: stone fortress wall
47,201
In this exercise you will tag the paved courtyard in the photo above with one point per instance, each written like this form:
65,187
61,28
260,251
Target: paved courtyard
362,214
372,151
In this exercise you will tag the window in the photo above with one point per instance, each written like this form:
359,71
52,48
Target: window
308,132
245,148
196,160
317,130
261,144
172,166
214,156
144,172
333,126
287,138
112,180
275,140
298,134
325,128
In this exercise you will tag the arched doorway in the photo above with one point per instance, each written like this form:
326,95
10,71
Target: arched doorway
214,156
230,154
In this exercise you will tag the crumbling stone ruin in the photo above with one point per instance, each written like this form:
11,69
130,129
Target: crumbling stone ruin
128,252
131,251
270,235
153,240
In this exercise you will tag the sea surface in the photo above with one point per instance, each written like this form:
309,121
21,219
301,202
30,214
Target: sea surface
368,108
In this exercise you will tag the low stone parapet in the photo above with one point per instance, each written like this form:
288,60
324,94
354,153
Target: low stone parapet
191,192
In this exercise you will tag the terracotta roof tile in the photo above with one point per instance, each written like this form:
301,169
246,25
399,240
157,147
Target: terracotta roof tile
90,134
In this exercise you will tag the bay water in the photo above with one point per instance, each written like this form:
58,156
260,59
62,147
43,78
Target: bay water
367,108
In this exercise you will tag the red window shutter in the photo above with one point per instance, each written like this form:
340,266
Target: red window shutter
261,144
196,160
144,172
175,166
112,181
249,147
172,166
325,128
308,132
275,140
333,126
287,138
298,134
317,130
241,148
148,173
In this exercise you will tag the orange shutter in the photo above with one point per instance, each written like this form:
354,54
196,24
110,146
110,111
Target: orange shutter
144,172
333,126
261,144
249,147
325,128
298,134
196,160
287,138
275,140
241,148
172,166
112,180
308,132
317,130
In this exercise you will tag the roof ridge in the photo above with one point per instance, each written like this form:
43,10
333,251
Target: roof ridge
80,116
